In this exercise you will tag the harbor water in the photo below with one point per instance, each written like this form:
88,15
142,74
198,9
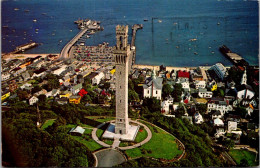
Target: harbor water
175,32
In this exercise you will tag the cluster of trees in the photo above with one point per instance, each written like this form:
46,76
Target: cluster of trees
175,91
31,146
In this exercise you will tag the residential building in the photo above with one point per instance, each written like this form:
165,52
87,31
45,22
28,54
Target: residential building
221,105
200,84
53,93
74,99
184,75
232,126
5,76
33,100
216,114
75,89
218,122
166,105
198,119
43,91
5,94
66,94
62,101
203,93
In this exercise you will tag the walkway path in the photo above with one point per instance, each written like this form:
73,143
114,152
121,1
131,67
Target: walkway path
116,144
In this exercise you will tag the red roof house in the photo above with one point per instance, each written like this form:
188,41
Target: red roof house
183,74
82,92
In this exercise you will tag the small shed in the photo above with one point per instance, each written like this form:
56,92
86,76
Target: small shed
77,131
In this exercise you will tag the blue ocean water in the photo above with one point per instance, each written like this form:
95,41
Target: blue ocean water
177,33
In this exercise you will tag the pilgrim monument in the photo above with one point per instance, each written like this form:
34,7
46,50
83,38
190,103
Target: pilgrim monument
122,54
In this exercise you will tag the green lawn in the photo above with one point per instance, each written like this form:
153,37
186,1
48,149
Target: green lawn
89,142
47,123
239,154
161,145
141,135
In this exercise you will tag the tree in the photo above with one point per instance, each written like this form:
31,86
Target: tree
241,111
132,96
42,98
177,92
201,108
153,104
36,89
244,163
166,90
22,94
229,143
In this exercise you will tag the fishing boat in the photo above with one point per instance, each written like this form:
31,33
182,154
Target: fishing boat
145,20
26,10
16,9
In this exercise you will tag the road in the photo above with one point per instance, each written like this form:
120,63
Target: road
65,51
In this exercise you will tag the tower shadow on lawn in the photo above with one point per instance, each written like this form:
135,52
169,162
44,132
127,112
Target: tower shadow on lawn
91,122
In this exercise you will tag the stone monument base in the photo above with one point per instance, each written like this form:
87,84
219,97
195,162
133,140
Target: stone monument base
130,136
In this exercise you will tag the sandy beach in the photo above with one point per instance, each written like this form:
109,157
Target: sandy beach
24,56
168,68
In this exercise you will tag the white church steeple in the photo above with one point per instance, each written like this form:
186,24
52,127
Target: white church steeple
244,78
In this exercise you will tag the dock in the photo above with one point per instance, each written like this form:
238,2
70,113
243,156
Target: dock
135,27
233,57
134,30
65,51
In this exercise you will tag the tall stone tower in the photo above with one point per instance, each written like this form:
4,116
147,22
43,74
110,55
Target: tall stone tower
122,57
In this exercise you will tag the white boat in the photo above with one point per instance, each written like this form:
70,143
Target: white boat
193,39
160,21
34,20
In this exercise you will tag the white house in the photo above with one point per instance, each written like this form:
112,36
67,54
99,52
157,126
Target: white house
166,105
75,89
232,126
216,114
245,92
198,118
18,71
200,84
53,92
5,76
33,100
25,85
220,70
222,106
153,87
218,122
60,70
43,91
97,78
220,131
203,93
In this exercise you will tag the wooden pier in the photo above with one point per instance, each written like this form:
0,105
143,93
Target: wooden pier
135,27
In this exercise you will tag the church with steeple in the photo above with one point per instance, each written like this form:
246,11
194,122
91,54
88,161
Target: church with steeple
153,86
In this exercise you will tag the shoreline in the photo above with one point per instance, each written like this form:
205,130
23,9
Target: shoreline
168,68
24,56
138,66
